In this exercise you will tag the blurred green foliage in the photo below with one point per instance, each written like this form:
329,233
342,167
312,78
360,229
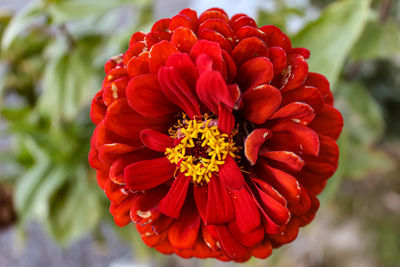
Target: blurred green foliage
52,64
52,54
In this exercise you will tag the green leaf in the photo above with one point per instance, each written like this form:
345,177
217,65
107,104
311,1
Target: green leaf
63,11
51,183
362,115
331,37
20,22
75,209
68,84
28,183
378,41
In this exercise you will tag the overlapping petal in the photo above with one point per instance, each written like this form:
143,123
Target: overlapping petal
268,131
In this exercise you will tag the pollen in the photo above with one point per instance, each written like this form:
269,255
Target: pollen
202,148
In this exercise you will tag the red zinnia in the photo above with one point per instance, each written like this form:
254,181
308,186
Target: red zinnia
213,137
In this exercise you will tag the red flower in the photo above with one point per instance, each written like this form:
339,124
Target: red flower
213,137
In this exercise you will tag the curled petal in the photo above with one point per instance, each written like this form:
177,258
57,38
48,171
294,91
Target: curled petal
260,103
295,74
249,48
328,122
159,54
285,160
296,112
184,39
253,143
255,72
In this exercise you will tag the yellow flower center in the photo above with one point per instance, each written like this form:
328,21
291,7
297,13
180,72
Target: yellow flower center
202,148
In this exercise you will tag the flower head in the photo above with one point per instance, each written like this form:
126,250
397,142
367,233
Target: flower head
213,137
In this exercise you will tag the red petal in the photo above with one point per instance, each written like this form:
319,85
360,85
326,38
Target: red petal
328,122
248,31
190,13
231,175
275,210
134,50
249,239
254,72
208,238
290,233
230,246
306,94
161,25
249,48
246,211
137,37
138,65
295,74
278,57
260,103
268,189
230,67
183,232
322,84
184,39
285,183
213,14
124,121
219,203
212,49
215,36
296,112
177,91
109,152
120,212
116,172
303,206
304,52
146,97
253,142
115,90
200,194
226,120
285,160
186,68
116,193
242,22
263,250
181,21
155,140
329,151
102,178
294,137
212,90
219,26
98,108
172,203
148,173
159,54
275,37
156,37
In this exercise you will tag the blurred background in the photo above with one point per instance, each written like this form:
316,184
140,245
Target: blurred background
52,212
